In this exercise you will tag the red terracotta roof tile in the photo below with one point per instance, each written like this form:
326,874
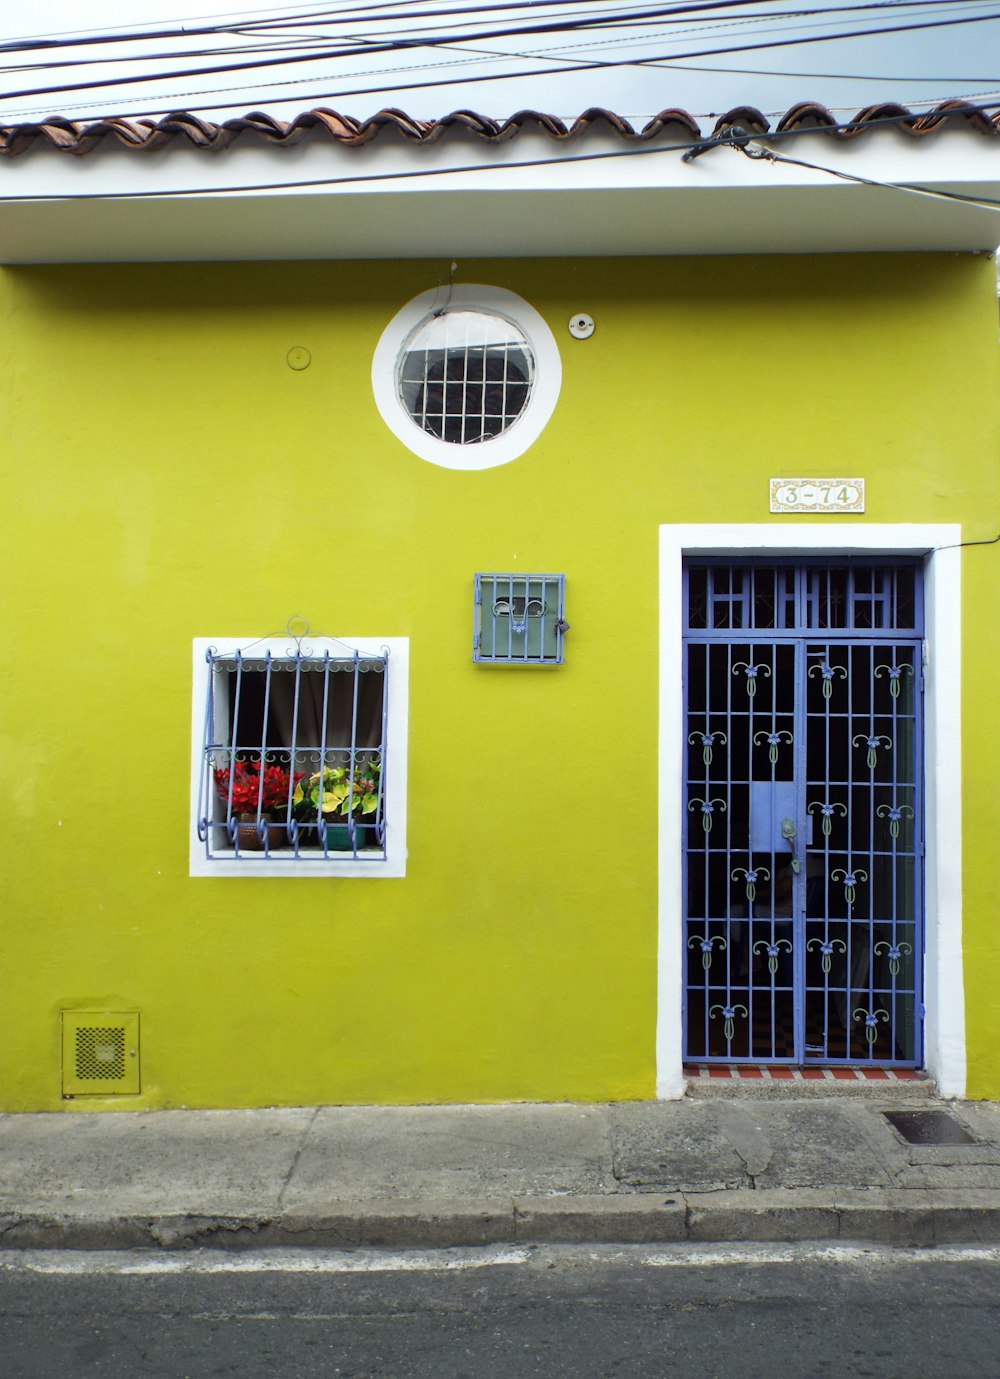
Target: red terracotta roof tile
81,137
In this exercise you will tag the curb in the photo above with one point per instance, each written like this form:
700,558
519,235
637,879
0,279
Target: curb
883,1216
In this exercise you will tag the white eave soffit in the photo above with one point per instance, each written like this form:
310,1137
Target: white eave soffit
524,198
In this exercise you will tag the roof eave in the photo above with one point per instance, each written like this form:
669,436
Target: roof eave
528,197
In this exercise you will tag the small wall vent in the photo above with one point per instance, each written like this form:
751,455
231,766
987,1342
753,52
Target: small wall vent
519,620
100,1053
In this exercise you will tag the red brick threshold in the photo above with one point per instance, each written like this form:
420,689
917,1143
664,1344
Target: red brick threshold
759,1072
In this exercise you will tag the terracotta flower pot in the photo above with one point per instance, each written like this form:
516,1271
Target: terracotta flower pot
249,837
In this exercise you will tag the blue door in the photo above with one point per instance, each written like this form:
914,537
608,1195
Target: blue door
804,859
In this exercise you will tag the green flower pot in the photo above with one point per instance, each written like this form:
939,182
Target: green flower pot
338,838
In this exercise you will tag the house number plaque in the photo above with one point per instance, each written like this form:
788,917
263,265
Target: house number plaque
817,495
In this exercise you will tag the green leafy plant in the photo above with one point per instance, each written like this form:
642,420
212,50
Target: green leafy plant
335,794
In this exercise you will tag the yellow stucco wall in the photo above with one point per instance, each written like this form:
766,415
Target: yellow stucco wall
169,476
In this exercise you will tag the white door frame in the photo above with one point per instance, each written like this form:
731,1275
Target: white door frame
944,991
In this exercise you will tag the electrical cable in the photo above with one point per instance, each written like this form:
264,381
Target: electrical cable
366,49
685,11
847,76
665,61
685,15
276,43
651,62
654,63
751,147
970,97
550,54
959,545
354,14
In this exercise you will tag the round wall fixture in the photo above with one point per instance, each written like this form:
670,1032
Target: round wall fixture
581,326
466,376
299,357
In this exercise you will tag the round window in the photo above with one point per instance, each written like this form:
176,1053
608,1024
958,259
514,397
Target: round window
465,376
467,382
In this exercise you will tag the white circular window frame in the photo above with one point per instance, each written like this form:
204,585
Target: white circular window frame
541,400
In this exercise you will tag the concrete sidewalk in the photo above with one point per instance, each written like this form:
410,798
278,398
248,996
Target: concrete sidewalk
705,1168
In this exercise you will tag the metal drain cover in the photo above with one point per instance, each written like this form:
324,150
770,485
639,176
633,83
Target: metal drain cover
928,1127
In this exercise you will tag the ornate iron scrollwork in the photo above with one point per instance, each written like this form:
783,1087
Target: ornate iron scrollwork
850,880
773,951
827,672
728,1014
871,1019
708,808
774,741
705,944
827,948
873,744
893,951
895,674
894,813
751,673
707,741
827,811
751,878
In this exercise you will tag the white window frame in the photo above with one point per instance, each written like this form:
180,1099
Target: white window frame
394,777
944,983
521,433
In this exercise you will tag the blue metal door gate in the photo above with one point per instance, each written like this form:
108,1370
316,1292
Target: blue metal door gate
803,856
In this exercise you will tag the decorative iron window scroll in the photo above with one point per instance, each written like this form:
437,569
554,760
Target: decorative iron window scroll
294,754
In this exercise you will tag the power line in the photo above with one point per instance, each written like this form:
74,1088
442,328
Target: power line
367,49
694,8
759,152
668,59
357,14
276,44
848,76
373,48
465,62
584,20
104,34
656,62
549,54
652,62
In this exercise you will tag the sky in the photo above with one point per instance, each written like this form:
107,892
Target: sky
654,57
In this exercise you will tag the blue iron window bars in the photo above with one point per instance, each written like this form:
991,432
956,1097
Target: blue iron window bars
804,906
293,759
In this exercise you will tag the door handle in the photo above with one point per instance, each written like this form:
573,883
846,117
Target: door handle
789,832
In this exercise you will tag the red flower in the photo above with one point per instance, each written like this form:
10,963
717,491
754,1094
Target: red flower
244,788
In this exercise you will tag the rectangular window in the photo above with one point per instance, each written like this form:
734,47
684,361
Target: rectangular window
299,752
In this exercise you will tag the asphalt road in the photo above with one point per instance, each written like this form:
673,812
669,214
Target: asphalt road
633,1313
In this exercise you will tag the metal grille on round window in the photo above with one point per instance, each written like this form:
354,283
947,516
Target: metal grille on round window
466,376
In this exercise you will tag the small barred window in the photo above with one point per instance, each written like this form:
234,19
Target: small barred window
294,772
465,376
